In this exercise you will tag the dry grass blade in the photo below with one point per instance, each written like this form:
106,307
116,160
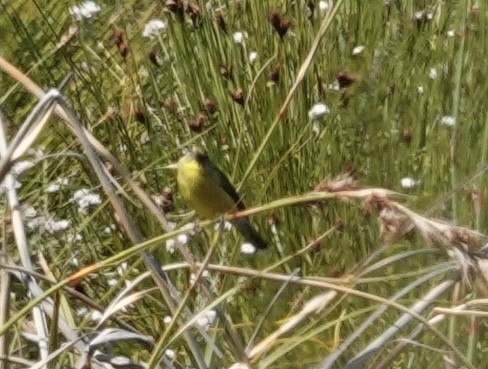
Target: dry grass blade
163,282
107,338
385,362
314,306
122,303
33,88
62,349
465,309
53,97
360,359
461,243
22,245
268,310
102,360
4,300
111,335
332,357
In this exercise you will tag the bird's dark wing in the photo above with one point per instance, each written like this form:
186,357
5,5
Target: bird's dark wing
227,186
222,178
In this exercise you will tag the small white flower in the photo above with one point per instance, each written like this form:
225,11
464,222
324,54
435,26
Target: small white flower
21,167
240,37
207,319
82,311
448,121
74,261
433,73
8,183
253,56
86,9
86,199
248,248
36,223
28,212
167,319
316,128
334,86
152,28
96,316
193,276
420,89
74,237
56,185
170,354
450,33
170,245
227,226
182,239
318,110
418,14
36,152
112,282
52,188
55,226
145,138
122,268
358,50
408,182
324,5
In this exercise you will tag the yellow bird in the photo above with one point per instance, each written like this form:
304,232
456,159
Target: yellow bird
206,189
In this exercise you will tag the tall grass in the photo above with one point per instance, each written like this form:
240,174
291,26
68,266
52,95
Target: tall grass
404,84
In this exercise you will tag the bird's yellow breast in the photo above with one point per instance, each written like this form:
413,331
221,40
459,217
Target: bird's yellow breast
201,189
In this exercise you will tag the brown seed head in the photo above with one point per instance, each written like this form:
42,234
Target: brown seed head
315,247
193,10
118,36
123,49
196,125
225,70
238,96
275,19
176,7
164,201
219,19
273,219
210,106
153,57
335,272
170,104
339,223
140,115
406,135
346,79
284,27
280,24
274,74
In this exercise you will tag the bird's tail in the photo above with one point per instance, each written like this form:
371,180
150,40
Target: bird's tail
244,226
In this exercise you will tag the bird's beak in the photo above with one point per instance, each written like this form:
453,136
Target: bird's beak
171,166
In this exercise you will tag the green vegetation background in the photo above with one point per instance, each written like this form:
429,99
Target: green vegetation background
147,100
